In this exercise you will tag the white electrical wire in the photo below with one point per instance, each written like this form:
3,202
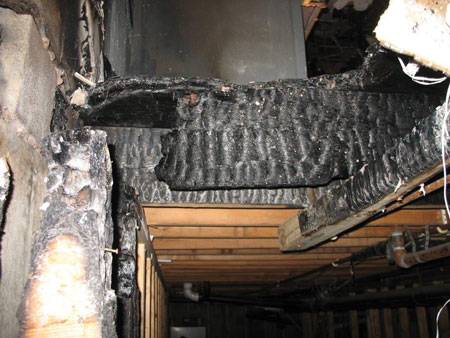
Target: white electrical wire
444,135
411,70
437,317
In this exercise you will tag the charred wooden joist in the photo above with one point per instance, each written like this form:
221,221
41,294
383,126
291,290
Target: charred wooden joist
414,159
284,136
125,220
69,290
137,151
286,133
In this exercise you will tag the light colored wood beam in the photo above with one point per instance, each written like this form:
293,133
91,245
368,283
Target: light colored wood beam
141,260
256,251
268,232
241,243
217,217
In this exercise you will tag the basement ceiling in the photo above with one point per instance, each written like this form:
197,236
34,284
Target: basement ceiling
220,166
236,248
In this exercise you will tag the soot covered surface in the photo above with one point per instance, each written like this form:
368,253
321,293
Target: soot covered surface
137,151
284,136
281,134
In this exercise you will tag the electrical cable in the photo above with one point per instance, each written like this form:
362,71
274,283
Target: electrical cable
411,70
438,315
444,135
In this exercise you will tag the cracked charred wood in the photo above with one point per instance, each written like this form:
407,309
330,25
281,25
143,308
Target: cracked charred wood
136,152
126,284
4,187
414,159
69,291
285,133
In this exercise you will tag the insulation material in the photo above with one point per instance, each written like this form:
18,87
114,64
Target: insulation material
418,28
69,290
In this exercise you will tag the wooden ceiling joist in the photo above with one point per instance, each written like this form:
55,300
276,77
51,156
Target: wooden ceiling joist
217,216
224,244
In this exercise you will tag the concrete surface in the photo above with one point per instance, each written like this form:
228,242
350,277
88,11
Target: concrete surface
27,85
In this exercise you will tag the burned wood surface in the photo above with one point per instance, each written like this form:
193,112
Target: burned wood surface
280,134
4,187
413,160
137,151
69,290
284,136
125,274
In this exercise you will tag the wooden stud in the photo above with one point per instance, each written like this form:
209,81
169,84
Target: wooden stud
141,260
330,324
373,322
444,327
387,318
152,303
404,322
354,325
148,285
422,321
307,324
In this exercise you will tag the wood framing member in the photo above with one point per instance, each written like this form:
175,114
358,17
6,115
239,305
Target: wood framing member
69,289
415,159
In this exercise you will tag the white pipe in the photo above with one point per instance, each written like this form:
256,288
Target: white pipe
189,294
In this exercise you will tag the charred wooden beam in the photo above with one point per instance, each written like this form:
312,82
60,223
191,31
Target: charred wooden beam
413,160
284,135
4,186
69,290
287,133
126,284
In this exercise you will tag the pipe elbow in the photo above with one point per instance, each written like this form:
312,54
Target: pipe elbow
189,294
398,248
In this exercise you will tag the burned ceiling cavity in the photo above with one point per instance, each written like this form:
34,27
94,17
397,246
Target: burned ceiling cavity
218,138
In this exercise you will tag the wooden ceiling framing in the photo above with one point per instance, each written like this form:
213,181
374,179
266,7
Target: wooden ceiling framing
236,246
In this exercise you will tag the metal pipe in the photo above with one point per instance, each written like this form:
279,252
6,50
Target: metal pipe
398,247
424,291
189,294
435,252
406,260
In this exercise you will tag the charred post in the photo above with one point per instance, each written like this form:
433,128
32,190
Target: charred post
69,290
